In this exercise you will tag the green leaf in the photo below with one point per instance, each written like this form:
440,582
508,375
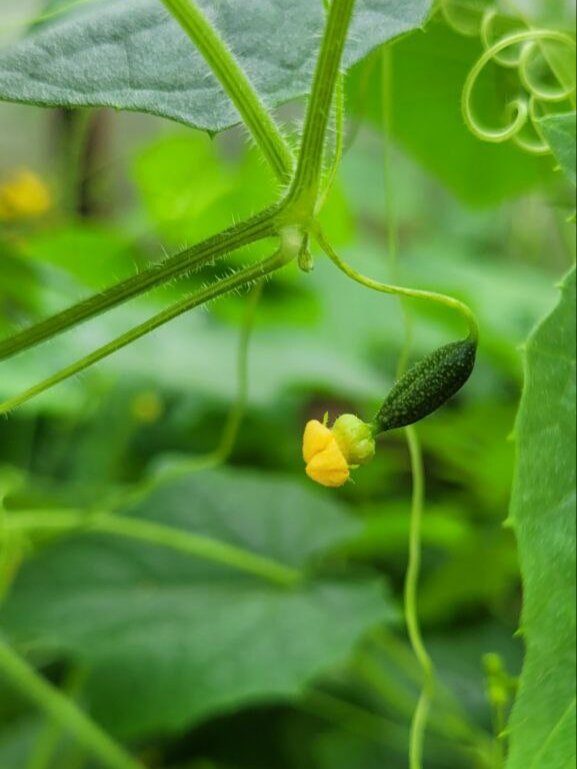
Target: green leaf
561,134
133,55
171,639
543,512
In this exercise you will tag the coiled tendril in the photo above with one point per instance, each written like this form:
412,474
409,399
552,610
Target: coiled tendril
518,50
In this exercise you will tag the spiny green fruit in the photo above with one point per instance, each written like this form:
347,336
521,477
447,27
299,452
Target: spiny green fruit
428,385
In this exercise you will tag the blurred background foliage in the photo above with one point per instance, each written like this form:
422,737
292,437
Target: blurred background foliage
485,223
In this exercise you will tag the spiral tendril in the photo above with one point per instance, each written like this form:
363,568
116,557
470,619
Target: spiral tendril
517,50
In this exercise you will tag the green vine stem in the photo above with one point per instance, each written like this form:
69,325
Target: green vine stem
237,412
226,285
519,109
452,717
257,228
419,724
235,82
304,193
420,717
49,737
62,710
72,161
429,296
157,534
236,415
418,727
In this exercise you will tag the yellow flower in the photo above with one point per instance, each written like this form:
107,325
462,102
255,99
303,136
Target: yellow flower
326,463
24,195
331,454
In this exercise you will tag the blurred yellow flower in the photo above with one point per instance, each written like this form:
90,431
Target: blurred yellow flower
24,195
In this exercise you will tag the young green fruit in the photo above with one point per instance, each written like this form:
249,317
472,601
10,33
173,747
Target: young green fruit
428,385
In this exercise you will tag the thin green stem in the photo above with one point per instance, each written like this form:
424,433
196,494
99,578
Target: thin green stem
257,228
49,738
306,186
420,716
237,412
73,146
156,534
456,719
62,710
235,82
224,286
236,415
419,725
366,723
429,296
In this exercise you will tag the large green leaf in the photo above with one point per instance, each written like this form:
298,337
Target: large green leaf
543,514
133,55
561,133
171,639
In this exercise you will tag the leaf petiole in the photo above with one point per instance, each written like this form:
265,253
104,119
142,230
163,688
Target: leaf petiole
195,545
259,227
235,82
240,279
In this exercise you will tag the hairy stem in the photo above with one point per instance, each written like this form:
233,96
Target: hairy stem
157,534
257,228
305,190
224,286
62,710
235,82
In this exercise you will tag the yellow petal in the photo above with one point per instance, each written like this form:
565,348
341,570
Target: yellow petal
329,468
317,438
24,195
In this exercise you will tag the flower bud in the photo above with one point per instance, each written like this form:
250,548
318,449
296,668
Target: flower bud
355,438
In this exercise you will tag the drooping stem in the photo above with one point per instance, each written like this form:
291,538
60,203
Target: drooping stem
428,296
419,724
235,82
62,710
195,545
224,286
245,233
305,190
